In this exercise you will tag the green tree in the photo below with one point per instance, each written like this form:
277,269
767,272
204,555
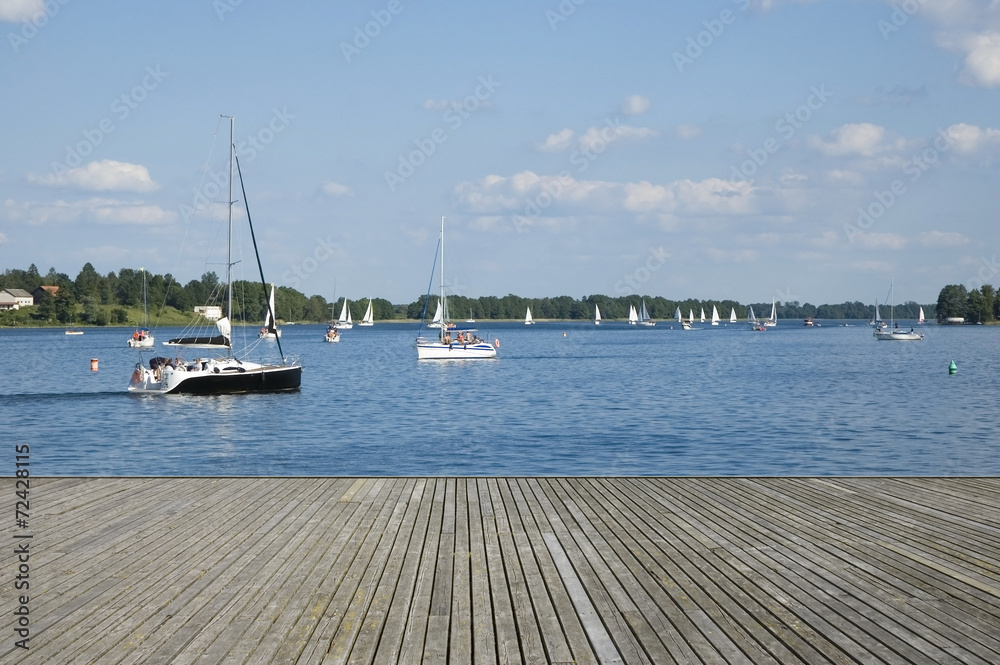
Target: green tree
952,302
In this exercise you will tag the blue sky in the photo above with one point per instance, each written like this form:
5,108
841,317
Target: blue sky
751,150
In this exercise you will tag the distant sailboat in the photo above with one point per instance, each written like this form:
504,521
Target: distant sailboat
367,319
436,321
527,318
633,317
142,338
772,320
752,320
893,332
920,319
732,315
680,319
344,322
644,319
715,316
270,329
691,315
703,315
597,315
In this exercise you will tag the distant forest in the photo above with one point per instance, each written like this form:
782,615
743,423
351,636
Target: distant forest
114,299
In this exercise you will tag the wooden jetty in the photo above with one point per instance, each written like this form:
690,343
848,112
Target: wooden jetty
510,570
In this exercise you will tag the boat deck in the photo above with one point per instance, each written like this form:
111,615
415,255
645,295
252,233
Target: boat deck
510,570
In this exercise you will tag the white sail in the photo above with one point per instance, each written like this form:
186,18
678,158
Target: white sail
751,319
691,315
644,315
920,319
367,319
633,317
715,316
344,321
597,315
732,315
703,315
527,317
270,329
677,314
436,321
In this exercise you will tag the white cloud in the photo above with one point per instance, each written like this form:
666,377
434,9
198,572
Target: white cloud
102,176
596,138
942,239
532,195
556,142
97,210
336,189
970,138
687,132
17,11
879,241
864,139
635,105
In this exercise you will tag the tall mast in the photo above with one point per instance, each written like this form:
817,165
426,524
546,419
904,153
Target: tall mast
444,306
229,260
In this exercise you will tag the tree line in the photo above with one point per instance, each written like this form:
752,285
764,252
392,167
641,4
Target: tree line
980,305
114,299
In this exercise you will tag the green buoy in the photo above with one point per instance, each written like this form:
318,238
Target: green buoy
953,368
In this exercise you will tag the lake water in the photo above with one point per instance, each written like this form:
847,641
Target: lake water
608,400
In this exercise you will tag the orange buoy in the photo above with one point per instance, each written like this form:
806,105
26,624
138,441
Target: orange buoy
496,343
93,364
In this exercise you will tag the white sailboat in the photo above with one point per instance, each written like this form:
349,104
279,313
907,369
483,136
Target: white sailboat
644,319
920,319
344,321
633,317
752,320
691,316
597,315
680,319
142,338
367,319
703,315
772,320
453,342
892,332
226,373
270,329
528,321
436,321
715,316
732,315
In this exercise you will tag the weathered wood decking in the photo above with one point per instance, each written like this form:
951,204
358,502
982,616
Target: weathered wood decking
508,570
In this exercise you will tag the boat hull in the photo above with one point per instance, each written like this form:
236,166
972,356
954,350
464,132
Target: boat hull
142,343
225,378
454,351
897,335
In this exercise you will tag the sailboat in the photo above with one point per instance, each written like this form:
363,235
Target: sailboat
142,338
226,373
344,322
703,315
920,319
680,319
772,320
367,319
633,317
270,329
715,316
690,316
528,321
436,321
464,345
644,319
752,320
892,332
597,315
732,315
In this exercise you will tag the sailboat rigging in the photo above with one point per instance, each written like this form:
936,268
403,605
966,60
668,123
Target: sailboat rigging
224,374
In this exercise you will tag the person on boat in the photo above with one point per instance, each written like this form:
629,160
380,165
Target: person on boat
447,338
